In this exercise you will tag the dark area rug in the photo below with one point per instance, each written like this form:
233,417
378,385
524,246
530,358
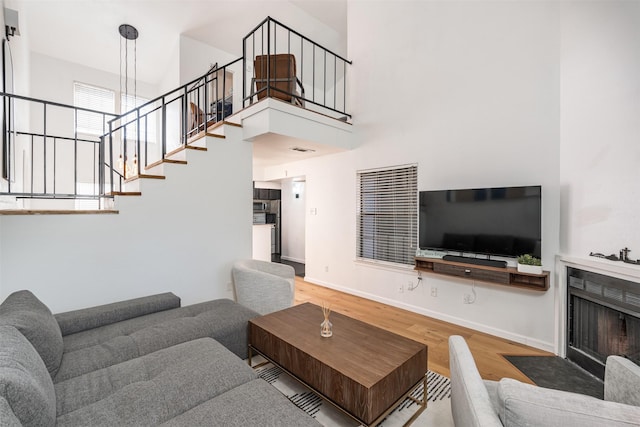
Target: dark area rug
557,373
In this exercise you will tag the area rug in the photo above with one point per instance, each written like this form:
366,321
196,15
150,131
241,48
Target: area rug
558,373
437,414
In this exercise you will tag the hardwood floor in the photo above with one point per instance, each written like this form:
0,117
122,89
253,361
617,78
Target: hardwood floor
487,350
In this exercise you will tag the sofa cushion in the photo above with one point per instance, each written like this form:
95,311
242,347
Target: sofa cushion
223,320
252,404
528,405
25,383
153,388
84,319
34,320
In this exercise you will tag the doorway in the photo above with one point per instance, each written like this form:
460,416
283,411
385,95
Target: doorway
293,206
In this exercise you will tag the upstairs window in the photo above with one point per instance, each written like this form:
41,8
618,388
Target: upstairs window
93,98
387,214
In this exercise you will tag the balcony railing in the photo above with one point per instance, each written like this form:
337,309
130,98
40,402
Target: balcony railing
284,64
53,160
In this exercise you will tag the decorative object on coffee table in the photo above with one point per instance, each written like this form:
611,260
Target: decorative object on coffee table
326,328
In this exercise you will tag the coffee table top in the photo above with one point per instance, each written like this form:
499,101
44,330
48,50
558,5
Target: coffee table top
362,351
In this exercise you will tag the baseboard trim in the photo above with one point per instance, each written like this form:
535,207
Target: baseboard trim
542,345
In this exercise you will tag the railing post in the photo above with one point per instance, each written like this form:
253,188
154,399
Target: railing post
111,156
164,128
137,146
244,72
184,117
44,145
101,167
268,58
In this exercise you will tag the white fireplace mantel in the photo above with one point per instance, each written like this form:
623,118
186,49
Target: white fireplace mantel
616,269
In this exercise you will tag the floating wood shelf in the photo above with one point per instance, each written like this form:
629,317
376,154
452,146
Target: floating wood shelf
501,276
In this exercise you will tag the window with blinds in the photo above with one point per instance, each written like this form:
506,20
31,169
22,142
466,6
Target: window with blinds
93,98
387,210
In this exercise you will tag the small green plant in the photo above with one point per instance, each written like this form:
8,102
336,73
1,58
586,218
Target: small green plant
527,259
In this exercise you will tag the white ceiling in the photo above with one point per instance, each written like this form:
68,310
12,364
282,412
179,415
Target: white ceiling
86,31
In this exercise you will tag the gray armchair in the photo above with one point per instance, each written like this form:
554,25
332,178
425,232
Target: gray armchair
263,286
475,402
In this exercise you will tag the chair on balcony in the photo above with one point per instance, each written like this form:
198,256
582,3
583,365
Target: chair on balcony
281,82
196,119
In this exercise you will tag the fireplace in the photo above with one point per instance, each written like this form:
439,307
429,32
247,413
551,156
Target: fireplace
603,319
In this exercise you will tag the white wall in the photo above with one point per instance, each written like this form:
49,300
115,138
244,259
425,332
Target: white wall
181,235
293,219
464,90
600,127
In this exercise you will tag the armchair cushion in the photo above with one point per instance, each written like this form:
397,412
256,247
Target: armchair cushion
34,320
528,405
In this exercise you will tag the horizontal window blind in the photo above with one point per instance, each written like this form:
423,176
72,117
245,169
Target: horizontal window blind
388,214
93,98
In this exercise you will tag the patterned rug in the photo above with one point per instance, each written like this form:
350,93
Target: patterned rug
437,414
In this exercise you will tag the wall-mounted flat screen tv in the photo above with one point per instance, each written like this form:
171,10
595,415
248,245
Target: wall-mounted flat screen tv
503,221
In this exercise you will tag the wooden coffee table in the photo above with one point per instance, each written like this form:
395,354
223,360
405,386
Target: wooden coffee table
363,370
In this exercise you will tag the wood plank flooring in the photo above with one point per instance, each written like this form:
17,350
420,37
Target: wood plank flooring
487,350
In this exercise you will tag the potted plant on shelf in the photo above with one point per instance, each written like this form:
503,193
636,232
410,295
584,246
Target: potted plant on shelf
529,264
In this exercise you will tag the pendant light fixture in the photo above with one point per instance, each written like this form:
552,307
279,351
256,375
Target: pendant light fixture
129,34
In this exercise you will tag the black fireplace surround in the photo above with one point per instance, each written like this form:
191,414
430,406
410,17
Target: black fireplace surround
603,318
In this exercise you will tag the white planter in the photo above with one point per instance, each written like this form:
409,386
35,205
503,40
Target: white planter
530,269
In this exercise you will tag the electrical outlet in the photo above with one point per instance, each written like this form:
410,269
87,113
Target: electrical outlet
410,285
434,291
326,268
467,299
401,289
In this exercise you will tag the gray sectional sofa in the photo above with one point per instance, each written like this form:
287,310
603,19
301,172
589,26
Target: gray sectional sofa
478,403
145,361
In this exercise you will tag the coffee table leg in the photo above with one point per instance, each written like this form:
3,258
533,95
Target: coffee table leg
422,402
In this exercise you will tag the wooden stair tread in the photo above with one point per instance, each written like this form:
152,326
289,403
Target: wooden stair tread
161,161
144,176
215,135
124,193
222,123
57,212
184,147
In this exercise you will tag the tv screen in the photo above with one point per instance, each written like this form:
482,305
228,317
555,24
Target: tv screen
504,221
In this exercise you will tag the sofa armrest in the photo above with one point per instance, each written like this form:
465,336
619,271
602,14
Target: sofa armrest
528,405
622,381
93,317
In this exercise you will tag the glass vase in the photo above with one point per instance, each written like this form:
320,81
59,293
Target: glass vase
326,328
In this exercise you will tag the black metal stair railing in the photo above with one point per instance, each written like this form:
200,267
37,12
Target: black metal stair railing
145,135
53,160
285,64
